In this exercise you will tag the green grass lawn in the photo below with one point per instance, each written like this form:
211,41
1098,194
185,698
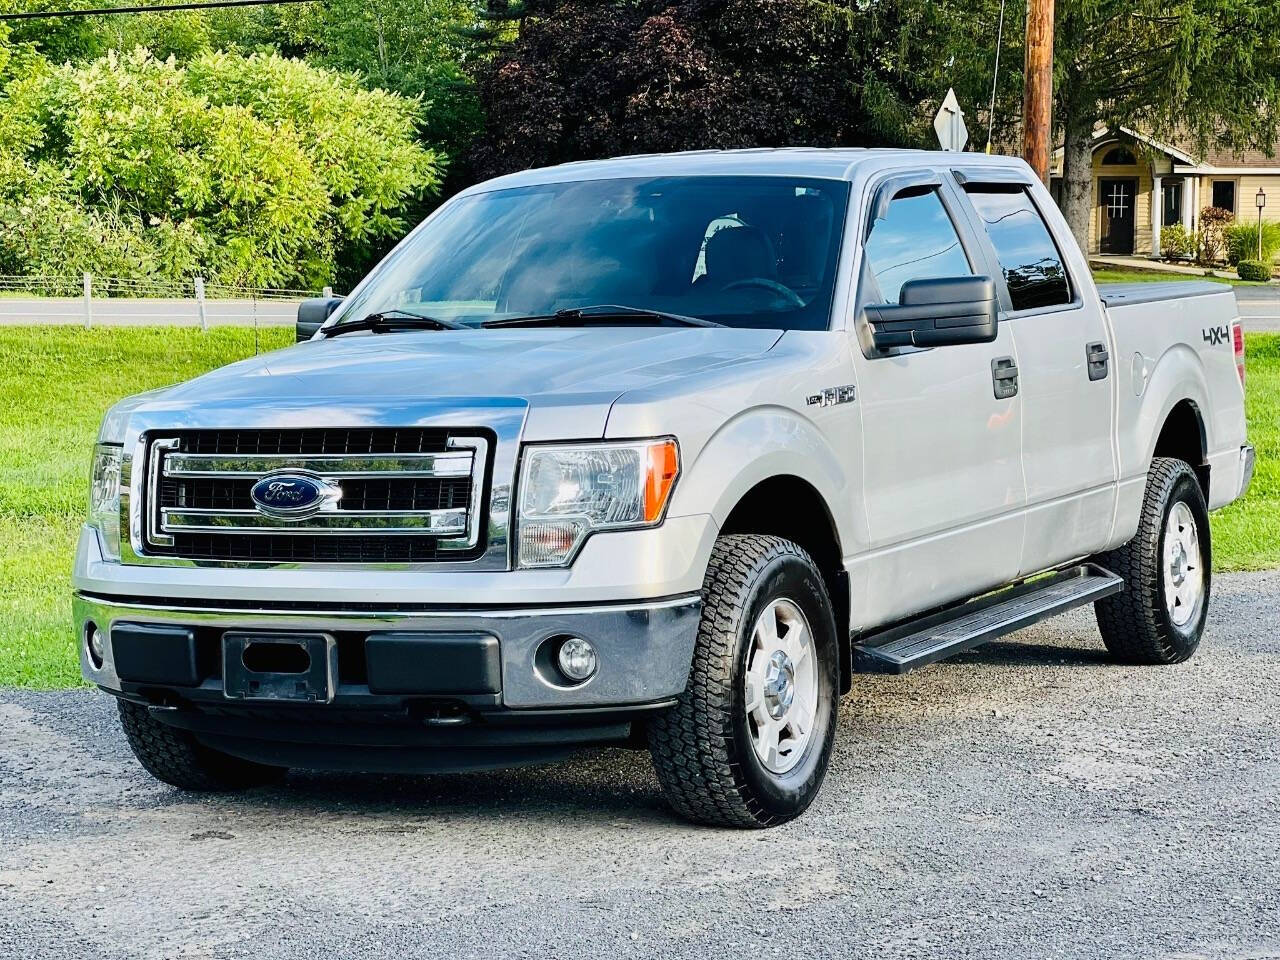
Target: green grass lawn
57,382
1165,276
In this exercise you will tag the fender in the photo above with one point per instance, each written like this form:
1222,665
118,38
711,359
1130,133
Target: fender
757,445
1178,375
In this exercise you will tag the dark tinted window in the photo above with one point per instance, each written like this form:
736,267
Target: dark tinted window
915,240
1224,194
1030,261
742,251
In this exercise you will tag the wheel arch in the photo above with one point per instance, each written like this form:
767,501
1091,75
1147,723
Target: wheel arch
790,507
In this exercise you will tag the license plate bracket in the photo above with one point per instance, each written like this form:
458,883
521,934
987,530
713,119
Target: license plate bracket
299,667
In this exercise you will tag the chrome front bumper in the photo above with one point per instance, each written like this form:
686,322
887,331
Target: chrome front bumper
644,648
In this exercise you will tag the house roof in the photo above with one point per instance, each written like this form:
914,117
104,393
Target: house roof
1187,155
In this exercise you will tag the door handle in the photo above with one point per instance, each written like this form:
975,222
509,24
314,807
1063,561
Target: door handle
1004,377
1098,358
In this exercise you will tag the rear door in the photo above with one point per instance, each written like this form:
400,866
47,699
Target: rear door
1066,373
942,466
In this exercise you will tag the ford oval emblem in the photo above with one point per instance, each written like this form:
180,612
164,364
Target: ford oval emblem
290,495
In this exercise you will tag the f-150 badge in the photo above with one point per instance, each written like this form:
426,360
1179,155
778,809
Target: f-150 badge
831,396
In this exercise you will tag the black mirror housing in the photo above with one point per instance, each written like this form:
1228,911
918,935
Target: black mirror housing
937,312
312,314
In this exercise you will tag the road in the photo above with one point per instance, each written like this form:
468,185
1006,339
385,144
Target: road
130,312
1260,308
1028,800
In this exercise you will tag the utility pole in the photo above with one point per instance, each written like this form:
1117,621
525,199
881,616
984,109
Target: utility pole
1037,96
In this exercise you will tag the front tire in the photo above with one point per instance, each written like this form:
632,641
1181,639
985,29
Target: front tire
1160,615
178,759
749,741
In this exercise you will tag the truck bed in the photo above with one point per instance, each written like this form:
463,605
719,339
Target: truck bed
1117,294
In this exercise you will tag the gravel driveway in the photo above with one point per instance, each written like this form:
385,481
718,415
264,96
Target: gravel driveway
1028,800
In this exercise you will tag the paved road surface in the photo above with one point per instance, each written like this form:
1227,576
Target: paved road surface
122,312
1260,308
1026,801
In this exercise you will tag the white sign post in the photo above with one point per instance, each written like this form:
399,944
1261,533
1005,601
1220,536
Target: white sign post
949,124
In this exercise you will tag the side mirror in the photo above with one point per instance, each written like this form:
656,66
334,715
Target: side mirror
937,313
312,314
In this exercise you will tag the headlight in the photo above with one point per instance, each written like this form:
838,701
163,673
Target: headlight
104,497
567,492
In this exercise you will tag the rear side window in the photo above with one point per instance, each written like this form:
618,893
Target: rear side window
1029,259
916,240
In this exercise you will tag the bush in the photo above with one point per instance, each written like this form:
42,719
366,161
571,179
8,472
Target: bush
1177,242
1213,233
253,171
1242,241
1254,269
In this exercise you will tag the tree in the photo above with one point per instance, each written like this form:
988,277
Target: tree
1205,69
596,79
255,170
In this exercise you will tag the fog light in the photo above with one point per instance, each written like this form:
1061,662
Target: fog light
577,659
97,646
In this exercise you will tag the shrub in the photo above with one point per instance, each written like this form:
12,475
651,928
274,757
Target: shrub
1254,269
1213,233
1242,241
1177,242
254,171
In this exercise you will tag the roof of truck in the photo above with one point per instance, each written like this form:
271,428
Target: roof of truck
836,163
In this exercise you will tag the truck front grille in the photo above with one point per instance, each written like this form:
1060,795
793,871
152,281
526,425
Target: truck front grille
399,495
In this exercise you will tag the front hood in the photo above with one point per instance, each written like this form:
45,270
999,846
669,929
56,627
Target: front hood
547,370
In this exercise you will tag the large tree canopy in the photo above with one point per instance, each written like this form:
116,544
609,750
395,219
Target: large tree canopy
250,170
1209,69
591,79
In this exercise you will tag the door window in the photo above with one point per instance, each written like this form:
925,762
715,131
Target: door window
1029,259
915,240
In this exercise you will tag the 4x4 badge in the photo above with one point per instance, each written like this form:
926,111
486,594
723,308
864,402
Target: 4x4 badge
1216,336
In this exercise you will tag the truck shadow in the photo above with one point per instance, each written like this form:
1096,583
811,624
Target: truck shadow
1014,654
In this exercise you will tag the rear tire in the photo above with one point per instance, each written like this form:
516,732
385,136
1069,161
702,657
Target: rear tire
749,741
1160,615
177,758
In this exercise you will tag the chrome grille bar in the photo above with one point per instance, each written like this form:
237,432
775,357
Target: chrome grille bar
350,522
249,465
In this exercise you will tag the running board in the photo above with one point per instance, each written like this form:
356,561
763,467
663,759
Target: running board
963,627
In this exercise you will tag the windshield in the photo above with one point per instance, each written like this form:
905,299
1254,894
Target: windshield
740,251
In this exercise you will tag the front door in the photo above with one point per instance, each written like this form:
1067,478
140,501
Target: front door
942,460
1118,199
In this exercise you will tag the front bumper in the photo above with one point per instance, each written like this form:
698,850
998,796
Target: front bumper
509,706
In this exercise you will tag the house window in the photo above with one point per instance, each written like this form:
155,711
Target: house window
1119,157
1224,194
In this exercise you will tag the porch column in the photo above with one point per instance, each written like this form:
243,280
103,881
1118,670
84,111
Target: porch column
1157,214
1186,203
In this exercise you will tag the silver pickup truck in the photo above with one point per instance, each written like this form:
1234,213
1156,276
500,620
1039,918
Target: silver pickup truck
660,450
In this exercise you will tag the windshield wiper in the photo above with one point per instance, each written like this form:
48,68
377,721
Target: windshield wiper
602,313
396,319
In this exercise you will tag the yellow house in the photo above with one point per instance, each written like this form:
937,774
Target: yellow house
1141,184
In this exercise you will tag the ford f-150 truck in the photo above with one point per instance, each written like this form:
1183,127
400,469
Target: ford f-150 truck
660,450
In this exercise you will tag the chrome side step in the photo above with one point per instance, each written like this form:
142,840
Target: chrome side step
940,635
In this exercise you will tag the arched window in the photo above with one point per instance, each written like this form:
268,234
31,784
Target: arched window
1119,157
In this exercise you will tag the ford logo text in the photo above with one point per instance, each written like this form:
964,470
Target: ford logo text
293,495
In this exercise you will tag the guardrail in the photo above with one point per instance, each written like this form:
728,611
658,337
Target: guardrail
124,301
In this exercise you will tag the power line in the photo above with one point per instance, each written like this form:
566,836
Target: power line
156,8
